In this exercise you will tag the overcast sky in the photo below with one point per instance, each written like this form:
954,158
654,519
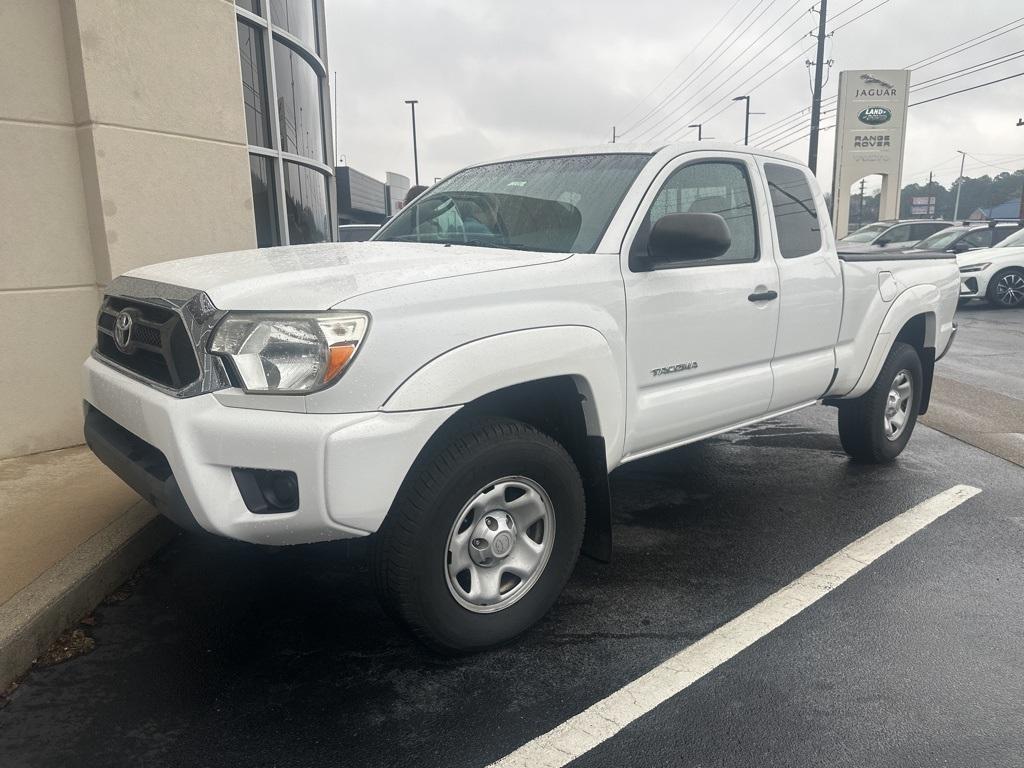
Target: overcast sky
500,77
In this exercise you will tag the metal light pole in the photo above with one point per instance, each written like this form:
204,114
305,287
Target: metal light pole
415,155
746,122
699,127
959,184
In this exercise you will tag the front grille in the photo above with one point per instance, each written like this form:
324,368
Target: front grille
158,347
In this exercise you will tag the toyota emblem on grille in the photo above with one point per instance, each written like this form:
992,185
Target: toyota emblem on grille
123,330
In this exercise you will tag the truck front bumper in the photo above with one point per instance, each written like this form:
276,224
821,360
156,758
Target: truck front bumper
179,454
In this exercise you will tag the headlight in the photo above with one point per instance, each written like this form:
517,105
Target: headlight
975,267
288,352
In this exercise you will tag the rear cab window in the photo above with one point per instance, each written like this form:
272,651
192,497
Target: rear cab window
795,211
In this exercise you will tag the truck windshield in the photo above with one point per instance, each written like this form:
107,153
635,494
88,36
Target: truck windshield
555,204
866,234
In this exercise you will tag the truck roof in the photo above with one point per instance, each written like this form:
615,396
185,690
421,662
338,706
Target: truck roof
649,148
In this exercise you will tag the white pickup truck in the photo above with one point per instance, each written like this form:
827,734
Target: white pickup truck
461,385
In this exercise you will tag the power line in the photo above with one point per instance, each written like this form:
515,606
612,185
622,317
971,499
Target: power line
707,61
918,103
786,132
679,64
934,58
742,32
920,64
739,69
753,88
965,90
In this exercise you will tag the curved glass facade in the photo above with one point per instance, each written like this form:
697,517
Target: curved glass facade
284,88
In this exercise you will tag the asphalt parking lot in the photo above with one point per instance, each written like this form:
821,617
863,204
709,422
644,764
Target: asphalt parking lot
225,654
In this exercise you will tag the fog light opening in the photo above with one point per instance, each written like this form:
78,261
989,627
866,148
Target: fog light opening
267,491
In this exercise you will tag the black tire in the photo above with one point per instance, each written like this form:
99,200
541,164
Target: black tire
862,428
1012,300
412,546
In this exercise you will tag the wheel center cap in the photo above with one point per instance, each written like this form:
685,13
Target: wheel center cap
502,544
493,539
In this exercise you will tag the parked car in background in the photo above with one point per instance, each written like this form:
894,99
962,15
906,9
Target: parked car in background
995,274
966,237
890,235
356,233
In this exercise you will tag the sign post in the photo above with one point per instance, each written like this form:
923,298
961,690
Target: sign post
871,125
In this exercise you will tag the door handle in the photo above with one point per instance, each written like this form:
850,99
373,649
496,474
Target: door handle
763,296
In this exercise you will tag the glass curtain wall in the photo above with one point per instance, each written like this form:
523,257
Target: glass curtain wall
282,50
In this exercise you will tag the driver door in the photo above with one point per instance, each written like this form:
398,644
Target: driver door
701,334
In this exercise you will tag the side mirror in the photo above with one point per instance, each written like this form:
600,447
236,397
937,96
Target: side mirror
678,237
960,246
882,243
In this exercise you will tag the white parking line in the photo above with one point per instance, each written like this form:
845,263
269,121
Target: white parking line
607,717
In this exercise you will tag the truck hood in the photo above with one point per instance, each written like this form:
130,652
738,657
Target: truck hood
321,275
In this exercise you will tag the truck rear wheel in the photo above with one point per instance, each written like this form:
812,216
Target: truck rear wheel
875,427
482,538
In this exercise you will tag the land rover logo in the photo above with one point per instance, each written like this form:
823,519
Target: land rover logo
874,115
123,330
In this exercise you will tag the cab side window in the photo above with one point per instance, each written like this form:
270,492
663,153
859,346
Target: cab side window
722,188
796,215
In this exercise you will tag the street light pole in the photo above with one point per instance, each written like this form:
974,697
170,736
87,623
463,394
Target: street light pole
959,184
746,122
699,127
415,155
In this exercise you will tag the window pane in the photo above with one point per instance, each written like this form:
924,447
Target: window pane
249,5
560,204
264,201
254,85
720,188
298,17
298,103
305,193
796,215
979,238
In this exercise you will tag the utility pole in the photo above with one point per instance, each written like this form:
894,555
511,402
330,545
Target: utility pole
699,127
613,134
959,184
928,204
415,155
819,63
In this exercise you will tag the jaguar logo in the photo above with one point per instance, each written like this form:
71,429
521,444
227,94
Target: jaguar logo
874,115
123,330
872,80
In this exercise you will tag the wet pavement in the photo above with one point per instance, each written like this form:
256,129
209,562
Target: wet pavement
227,654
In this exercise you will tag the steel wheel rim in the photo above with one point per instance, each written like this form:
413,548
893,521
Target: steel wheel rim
499,544
1010,289
898,404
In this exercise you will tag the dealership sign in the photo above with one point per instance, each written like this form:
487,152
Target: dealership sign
871,121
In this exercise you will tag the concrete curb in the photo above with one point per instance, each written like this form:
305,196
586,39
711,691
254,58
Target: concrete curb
61,595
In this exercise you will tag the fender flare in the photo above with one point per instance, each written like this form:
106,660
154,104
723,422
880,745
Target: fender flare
918,300
467,372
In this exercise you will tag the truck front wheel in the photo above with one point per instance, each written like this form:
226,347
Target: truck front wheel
482,538
875,427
